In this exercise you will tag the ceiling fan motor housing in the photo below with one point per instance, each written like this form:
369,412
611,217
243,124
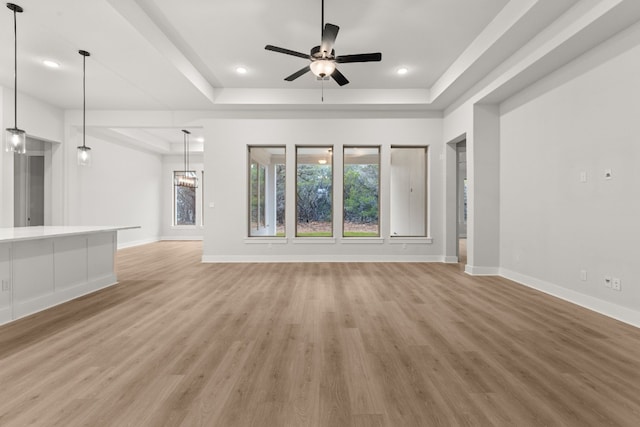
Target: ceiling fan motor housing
316,53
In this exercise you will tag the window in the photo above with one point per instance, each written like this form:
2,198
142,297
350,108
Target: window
361,181
314,191
267,177
184,206
408,214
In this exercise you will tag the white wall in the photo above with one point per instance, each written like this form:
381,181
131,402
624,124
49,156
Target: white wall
123,186
171,163
225,163
552,224
39,120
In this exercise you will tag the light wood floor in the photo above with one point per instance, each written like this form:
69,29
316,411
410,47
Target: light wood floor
183,343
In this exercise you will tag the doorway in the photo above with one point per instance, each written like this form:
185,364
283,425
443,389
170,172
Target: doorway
29,172
461,201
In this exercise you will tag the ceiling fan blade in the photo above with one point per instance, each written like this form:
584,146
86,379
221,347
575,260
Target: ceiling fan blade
339,77
287,51
329,35
361,57
298,73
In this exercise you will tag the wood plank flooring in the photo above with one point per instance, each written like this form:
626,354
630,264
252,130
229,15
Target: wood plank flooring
180,343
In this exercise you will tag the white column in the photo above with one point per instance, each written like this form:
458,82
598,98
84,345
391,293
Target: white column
483,169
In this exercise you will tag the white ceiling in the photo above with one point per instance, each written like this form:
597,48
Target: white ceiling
182,55
157,54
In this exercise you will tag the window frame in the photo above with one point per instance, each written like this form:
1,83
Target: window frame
174,201
331,150
344,164
426,219
249,191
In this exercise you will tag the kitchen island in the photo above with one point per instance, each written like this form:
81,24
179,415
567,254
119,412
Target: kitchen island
45,266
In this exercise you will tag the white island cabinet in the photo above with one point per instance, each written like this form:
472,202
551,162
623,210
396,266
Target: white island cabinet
44,266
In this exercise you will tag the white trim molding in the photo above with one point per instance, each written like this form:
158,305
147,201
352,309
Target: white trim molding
124,245
475,270
615,311
266,240
180,238
319,258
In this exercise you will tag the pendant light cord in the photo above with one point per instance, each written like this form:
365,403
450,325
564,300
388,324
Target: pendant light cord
186,151
15,70
84,54
84,100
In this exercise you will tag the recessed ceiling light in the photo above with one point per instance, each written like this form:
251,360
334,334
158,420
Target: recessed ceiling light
51,64
199,139
241,70
402,71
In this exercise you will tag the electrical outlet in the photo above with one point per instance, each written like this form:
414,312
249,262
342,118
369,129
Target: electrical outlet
6,285
616,284
583,275
607,281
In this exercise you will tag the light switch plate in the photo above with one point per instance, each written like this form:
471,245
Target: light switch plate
583,176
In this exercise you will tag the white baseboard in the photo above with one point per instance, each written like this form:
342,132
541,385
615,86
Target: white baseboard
124,245
623,314
5,315
35,305
481,271
319,258
181,238
451,259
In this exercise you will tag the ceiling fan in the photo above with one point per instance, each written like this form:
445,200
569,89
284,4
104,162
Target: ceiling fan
323,58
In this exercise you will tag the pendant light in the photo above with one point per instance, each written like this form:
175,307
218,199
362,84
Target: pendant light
187,178
84,152
15,139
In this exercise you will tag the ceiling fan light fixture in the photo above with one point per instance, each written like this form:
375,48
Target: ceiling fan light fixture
323,67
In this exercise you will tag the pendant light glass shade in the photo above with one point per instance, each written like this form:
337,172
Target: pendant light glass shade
15,139
84,152
84,156
186,178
